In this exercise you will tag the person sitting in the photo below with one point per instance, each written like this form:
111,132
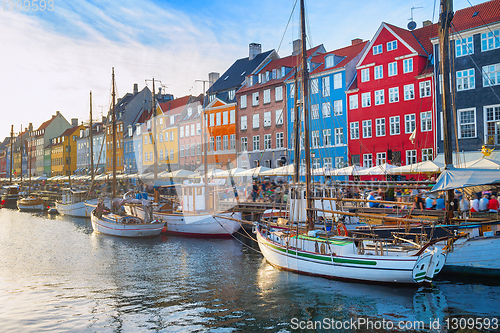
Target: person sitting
430,203
474,205
483,203
493,204
419,202
372,204
464,204
440,203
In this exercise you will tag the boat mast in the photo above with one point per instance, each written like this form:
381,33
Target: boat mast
444,55
11,152
91,144
113,119
205,147
155,151
296,127
21,150
305,96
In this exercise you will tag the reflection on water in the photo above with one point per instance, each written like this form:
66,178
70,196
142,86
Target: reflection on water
57,275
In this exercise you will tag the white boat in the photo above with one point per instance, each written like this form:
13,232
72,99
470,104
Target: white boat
31,204
123,225
73,203
192,218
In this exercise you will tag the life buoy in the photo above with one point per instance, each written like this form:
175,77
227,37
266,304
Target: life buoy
341,229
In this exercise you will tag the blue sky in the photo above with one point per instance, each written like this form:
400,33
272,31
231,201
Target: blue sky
50,60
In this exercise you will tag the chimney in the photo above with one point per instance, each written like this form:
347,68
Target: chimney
426,23
103,119
136,89
296,47
58,113
356,41
74,121
212,77
254,50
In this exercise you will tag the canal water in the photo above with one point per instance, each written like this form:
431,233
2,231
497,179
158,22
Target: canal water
57,275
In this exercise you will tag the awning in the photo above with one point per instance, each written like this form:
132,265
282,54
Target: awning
467,156
470,180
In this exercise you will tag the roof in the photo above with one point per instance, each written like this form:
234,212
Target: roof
46,123
348,52
235,75
488,12
175,104
418,39
70,130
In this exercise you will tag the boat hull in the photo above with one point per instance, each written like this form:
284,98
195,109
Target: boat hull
77,209
30,205
195,225
359,268
115,227
9,201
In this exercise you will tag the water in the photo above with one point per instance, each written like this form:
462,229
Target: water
57,275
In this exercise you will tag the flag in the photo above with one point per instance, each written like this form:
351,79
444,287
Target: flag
412,136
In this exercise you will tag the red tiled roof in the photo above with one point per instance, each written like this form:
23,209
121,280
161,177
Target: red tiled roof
488,12
349,52
423,34
70,130
46,123
174,104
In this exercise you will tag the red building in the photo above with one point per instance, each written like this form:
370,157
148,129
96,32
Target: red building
390,103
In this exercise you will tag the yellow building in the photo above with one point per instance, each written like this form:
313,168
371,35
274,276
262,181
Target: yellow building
63,152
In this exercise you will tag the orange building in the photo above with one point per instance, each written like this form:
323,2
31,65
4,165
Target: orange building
220,121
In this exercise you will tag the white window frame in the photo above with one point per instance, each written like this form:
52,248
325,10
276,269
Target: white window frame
255,98
460,123
392,69
427,154
466,79
255,121
367,129
379,97
394,125
326,110
244,144
394,95
315,111
464,46
280,140
425,88
339,136
378,72
256,143
243,102
366,100
377,49
354,130
279,117
314,86
490,40
243,123
365,75
411,156
267,96
426,121
380,127
267,119
367,160
338,107
392,45
491,75
409,89
353,102
407,65
327,137
325,86
410,123
337,81
381,158
278,94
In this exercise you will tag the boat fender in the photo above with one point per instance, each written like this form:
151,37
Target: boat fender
323,248
341,229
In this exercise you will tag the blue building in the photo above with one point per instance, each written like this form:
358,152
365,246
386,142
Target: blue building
330,75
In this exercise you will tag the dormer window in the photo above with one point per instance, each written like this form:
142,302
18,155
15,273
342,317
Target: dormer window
329,61
231,94
283,71
189,112
274,74
227,77
199,109
130,131
211,97
267,76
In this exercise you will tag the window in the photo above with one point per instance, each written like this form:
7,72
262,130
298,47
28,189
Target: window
425,88
465,80
365,100
212,119
490,40
280,140
292,90
255,121
392,45
327,137
243,123
411,157
244,144
218,142
187,150
232,141
315,111
279,117
315,138
187,131
292,114
426,121
278,93
267,96
353,102
326,109
267,141
365,75
464,46
394,125
367,160
314,86
379,97
377,49
367,128
231,94
327,162
172,136
492,125
217,119
407,65
329,61
427,154
394,95
393,68
381,158
409,92
354,130
181,151
211,97
339,136
378,72
225,143
255,98
243,101
267,119
326,86
198,129
410,123
225,118
198,149
171,154
339,162
337,81
212,144
256,142
380,127
467,123
491,75
181,133
337,108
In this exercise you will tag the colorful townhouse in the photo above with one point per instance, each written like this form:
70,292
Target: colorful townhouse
20,161
261,125
475,52
190,135
64,151
83,150
390,103
220,113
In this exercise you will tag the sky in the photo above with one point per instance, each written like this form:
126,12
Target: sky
51,60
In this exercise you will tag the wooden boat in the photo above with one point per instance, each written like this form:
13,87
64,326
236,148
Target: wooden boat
31,204
75,203
10,196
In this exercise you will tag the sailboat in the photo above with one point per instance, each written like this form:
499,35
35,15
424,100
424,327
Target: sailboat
303,248
116,222
197,216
